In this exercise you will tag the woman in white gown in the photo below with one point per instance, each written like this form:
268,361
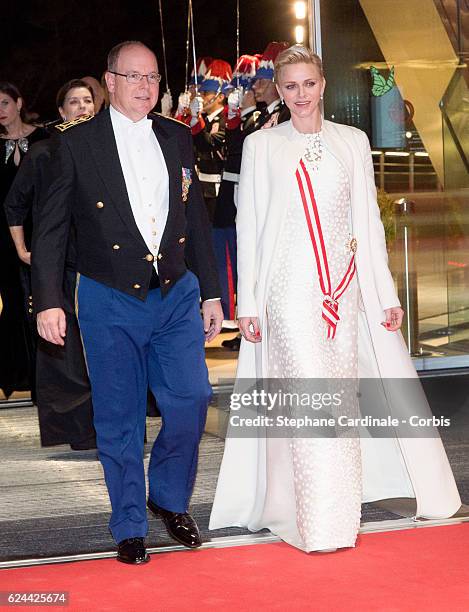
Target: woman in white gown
316,300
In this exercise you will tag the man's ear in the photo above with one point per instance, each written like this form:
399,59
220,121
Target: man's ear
110,81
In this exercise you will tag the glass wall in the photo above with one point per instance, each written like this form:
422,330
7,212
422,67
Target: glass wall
397,69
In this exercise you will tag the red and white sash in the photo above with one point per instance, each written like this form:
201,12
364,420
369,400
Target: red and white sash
330,305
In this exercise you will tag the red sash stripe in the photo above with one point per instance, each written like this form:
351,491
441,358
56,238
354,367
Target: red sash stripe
330,305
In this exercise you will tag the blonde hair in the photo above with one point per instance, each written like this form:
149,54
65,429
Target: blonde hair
296,55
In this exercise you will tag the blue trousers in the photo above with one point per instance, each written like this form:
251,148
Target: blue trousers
130,345
224,242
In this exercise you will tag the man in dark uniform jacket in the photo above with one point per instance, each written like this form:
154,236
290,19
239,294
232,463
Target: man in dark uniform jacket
208,130
126,180
248,120
241,106
265,92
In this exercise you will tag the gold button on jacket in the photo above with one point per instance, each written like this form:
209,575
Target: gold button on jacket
160,256
149,257
181,240
137,286
167,281
115,247
99,205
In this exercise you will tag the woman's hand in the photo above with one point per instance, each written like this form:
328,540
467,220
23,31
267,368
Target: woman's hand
394,318
249,328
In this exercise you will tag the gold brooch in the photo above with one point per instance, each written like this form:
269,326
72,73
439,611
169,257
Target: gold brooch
351,244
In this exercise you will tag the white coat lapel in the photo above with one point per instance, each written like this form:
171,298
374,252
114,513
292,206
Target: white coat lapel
339,147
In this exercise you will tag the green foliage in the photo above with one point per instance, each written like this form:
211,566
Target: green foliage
380,85
386,207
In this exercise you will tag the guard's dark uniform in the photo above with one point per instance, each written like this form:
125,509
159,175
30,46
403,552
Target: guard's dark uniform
209,147
224,219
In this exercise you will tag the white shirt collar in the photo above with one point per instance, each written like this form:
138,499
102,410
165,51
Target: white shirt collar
247,110
212,116
272,105
124,122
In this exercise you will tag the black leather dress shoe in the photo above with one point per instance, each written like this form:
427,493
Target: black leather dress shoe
132,551
233,344
180,525
84,445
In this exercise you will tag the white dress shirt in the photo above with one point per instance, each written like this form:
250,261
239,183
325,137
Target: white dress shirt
146,176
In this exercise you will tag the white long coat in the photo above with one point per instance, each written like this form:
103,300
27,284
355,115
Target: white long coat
270,159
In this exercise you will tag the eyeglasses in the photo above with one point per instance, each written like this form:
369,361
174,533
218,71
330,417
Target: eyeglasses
135,77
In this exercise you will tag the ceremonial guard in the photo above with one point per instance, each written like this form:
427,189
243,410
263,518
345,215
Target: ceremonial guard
241,106
259,108
273,110
208,125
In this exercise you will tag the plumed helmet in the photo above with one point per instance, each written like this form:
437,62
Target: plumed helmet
217,76
266,65
203,64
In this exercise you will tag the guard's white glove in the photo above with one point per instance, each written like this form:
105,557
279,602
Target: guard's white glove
184,101
234,102
166,104
196,106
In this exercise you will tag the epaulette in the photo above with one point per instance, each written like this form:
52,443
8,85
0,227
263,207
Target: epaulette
170,118
68,124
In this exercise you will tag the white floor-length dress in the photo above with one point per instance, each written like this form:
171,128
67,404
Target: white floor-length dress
325,472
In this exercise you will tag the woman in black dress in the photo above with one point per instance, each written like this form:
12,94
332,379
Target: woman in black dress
16,338
63,391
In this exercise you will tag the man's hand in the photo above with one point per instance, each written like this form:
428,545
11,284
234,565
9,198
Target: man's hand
51,325
25,256
213,319
234,102
394,318
196,106
184,101
245,325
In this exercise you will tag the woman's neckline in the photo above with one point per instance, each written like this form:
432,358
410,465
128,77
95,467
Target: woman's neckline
7,137
315,133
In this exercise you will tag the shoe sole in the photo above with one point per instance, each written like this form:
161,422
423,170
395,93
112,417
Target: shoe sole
142,562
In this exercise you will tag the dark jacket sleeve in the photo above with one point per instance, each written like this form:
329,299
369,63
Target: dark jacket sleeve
51,229
200,256
20,198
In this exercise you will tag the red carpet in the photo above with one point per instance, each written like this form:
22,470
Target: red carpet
415,570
